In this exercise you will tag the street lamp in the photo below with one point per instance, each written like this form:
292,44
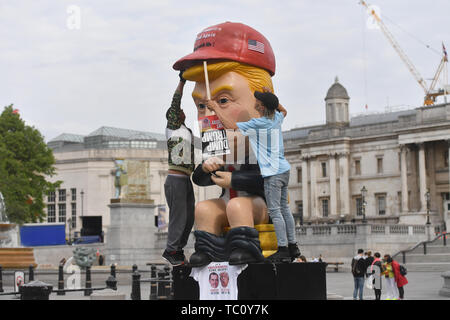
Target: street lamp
82,211
82,196
427,196
363,196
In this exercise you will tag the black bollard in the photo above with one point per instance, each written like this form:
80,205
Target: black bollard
113,270
35,290
168,285
111,283
1,279
136,286
30,273
134,268
61,280
153,285
88,290
161,286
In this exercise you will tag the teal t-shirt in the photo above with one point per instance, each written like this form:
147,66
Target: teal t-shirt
266,140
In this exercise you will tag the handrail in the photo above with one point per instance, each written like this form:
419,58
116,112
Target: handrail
424,243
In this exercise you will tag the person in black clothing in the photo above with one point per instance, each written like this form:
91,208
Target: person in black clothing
358,271
368,258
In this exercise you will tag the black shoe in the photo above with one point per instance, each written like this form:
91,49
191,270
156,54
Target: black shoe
199,259
282,255
242,256
175,258
294,251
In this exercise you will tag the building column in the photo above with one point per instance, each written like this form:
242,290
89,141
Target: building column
333,192
344,184
445,216
422,178
305,193
313,193
404,175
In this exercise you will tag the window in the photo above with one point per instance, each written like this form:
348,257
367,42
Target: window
324,169
73,192
381,205
74,215
299,175
51,196
379,165
446,159
51,214
358,167
62,212
359,207
325,208
62,195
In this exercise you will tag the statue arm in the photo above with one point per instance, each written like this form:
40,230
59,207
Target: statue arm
201,178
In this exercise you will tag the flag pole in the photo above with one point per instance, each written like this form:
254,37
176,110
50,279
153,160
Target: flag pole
208,92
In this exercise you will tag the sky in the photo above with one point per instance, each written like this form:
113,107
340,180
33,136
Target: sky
74,66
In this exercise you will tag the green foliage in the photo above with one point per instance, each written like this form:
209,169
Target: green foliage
25,164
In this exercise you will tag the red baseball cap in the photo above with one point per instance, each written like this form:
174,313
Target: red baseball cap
230,41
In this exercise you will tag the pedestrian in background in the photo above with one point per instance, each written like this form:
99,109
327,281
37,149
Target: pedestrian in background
400,279
358,271
376,269
391,287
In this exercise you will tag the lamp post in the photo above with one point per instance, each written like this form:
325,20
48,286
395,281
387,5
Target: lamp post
363,196
82,211
427,196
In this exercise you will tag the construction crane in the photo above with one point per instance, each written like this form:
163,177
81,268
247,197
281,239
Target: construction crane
430,92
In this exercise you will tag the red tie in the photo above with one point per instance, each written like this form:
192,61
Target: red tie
233,193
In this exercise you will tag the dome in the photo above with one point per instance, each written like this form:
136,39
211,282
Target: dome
337,91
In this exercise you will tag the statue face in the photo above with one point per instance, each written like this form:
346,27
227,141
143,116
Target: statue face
232,92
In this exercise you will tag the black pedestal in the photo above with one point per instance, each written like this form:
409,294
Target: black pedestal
264,281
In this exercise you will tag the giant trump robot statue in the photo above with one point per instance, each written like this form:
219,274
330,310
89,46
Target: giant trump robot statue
240,61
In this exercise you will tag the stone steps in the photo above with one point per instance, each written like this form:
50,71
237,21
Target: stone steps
437,258
12,258
431,249
428,266
429,257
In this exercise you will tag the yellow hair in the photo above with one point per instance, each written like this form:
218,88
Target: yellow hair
257,77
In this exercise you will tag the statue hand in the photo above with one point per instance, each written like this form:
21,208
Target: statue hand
212,164
211,105
223,180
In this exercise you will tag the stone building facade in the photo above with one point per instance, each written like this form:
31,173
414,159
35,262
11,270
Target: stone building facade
396,156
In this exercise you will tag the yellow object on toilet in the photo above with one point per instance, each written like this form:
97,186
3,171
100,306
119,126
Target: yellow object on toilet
267,238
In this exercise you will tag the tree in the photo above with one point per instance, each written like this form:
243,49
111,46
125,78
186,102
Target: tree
25,163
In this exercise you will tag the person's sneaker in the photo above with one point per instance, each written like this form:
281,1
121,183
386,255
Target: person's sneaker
175,258
282,255
294,251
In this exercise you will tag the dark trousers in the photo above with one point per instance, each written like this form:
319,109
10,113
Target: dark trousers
181,202
401,292
377,294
